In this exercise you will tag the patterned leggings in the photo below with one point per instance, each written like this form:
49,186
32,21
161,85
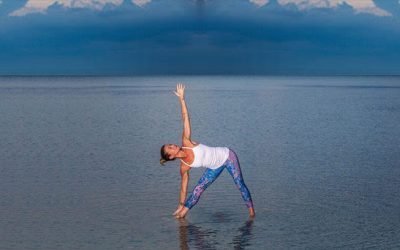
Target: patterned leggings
210,175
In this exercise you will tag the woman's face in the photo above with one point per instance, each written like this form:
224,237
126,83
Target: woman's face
171,150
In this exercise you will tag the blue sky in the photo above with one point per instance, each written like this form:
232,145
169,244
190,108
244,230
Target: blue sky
145,37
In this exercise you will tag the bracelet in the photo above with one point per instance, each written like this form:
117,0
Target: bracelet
181,203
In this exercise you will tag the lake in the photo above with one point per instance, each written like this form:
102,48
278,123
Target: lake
79,162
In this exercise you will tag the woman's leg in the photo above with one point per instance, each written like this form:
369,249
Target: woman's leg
233,168
208,177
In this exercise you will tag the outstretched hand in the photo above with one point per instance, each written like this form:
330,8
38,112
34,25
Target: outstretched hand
182,213
180,91
180,207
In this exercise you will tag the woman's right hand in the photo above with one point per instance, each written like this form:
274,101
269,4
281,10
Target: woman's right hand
180,91
178,210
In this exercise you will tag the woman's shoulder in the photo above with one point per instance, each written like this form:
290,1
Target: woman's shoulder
189,143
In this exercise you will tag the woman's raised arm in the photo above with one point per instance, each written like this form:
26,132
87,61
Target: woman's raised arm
180,92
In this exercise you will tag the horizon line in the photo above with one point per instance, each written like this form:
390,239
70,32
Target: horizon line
189,74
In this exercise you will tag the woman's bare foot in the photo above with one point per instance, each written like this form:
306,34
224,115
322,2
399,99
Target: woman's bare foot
251,212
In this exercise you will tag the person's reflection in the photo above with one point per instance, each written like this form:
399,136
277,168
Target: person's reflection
242,239
189,233
206,239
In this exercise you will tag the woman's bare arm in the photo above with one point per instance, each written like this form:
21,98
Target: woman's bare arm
184,184
180,92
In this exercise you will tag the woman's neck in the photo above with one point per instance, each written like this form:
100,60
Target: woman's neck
181,154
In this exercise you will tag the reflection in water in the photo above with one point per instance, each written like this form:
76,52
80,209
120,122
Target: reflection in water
205,239
202,239
242,239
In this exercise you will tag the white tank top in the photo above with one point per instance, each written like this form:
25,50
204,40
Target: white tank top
209,157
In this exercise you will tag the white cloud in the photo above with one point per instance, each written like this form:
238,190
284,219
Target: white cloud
261,2
359,6
33,6
366,6
141,3
41,6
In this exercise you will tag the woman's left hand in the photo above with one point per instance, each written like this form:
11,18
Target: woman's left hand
182,213
180,91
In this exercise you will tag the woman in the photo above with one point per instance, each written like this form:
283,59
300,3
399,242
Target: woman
194,155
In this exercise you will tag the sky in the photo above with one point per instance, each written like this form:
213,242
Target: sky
222,37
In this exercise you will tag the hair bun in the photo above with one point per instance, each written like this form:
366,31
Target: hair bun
162,161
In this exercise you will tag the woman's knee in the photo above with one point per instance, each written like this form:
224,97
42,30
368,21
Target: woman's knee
197,191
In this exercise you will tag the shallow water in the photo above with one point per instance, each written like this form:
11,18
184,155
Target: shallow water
79,162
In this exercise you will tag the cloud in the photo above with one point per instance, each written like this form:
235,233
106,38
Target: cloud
141,3
41,6
33,6
259,2
359,6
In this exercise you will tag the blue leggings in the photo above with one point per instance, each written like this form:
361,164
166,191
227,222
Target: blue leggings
210,175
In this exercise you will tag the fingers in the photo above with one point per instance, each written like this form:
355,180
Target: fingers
182,213
177,211
180,89
180,86
180,216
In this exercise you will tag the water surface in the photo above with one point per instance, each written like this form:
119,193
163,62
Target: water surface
79,162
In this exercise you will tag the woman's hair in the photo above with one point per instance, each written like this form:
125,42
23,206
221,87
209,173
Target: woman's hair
164,156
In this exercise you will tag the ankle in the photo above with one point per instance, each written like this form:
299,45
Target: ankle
252,213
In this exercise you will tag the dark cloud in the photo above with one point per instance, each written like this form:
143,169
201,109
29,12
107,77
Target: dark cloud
200,37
